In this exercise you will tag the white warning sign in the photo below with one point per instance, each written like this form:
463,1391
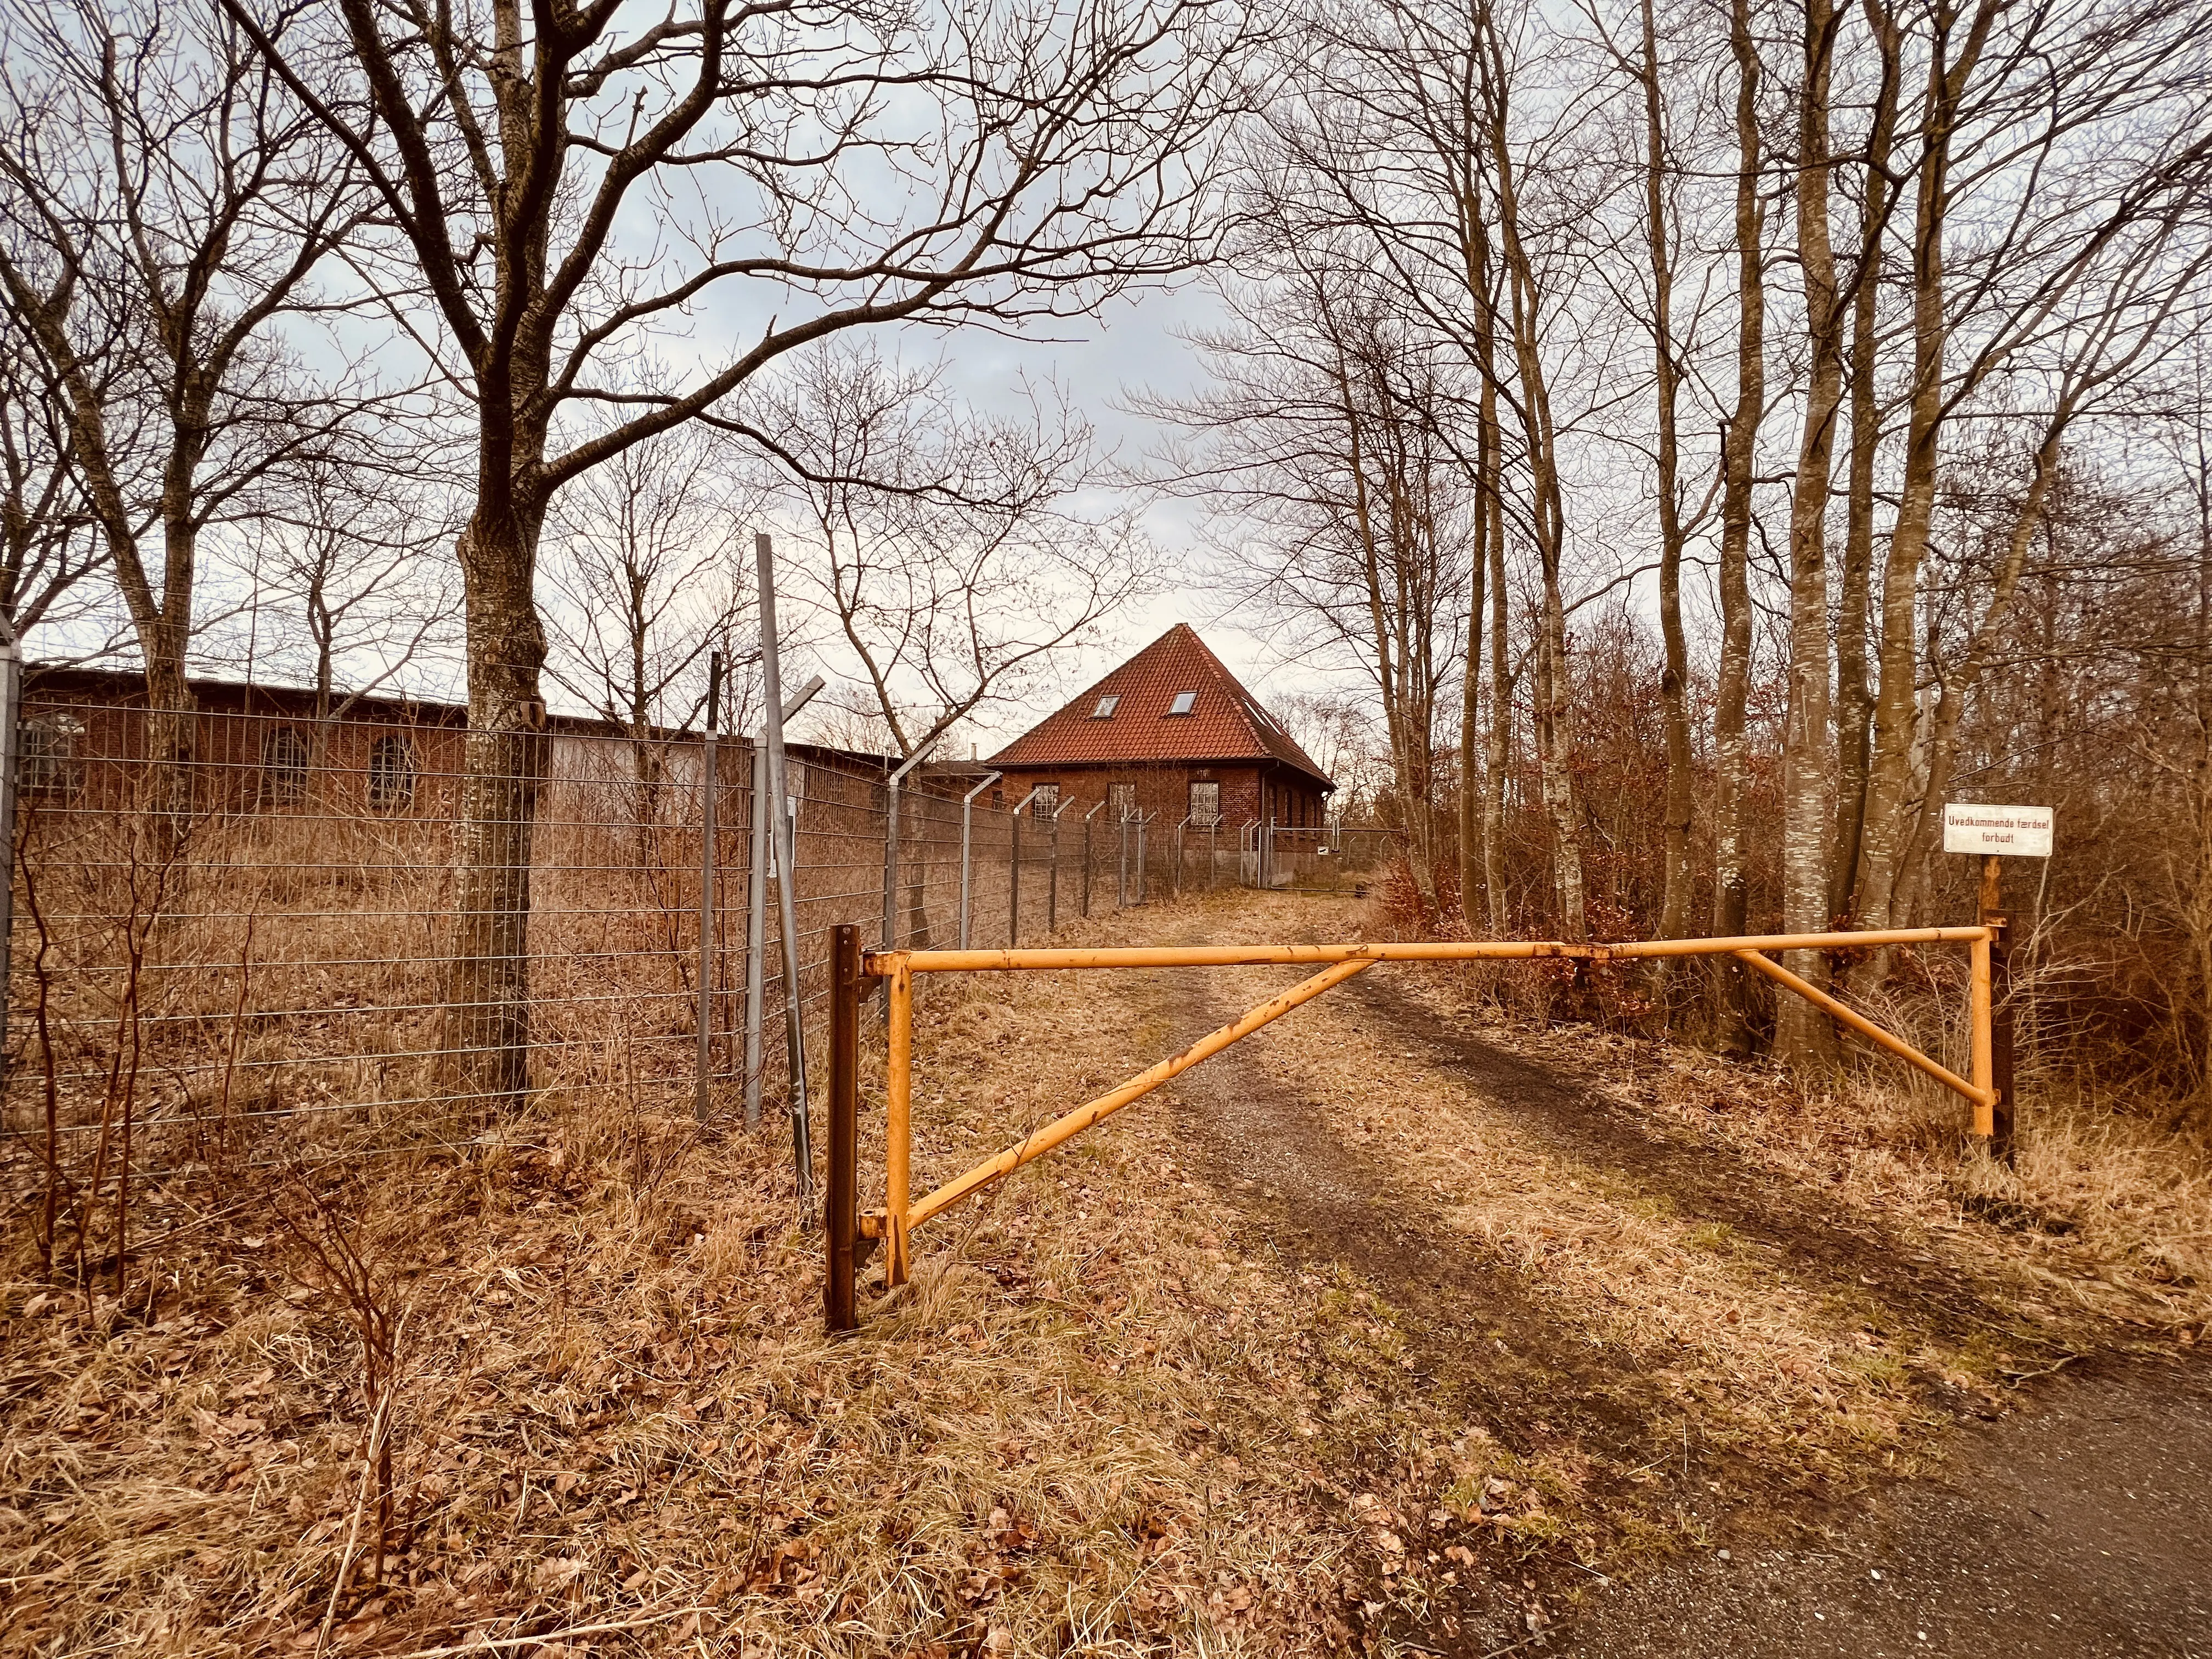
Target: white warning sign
2019,832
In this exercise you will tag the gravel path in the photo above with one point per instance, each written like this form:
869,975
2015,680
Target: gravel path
2080,1529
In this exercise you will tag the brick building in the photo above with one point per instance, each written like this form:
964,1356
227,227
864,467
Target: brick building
1169,732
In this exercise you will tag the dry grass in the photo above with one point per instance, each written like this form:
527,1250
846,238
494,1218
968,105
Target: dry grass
1093,1425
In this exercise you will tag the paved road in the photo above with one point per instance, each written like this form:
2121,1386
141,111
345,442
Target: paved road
2078,1530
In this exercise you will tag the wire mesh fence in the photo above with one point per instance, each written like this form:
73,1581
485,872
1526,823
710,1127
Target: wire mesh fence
252,921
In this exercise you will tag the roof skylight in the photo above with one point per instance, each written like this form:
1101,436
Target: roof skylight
1105,709
1184,703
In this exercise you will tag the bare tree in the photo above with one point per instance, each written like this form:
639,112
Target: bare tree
845,167
942,544
1318,445
167,202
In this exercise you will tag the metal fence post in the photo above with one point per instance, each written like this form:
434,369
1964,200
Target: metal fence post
891,847
781,826
762,826
1213,853
841,1210
1144,876
756,930
707,780
1052,891
1087,817
966,816
1014,873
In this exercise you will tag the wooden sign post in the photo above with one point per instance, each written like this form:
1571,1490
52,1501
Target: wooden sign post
1997,833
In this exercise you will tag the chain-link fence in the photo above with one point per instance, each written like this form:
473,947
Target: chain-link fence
255,925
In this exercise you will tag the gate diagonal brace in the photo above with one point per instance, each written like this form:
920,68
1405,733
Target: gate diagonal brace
1070,1124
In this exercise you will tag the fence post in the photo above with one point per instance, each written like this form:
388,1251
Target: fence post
1051,892
704,1062
1087,817
840,1219
1213,853
2003,1118
967,818
786,860
898,1123
1014,873
891,847
756,932
1122,870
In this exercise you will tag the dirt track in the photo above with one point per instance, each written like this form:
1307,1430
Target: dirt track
2078,1526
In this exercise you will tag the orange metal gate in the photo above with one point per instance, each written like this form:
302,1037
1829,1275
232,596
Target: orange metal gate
853,971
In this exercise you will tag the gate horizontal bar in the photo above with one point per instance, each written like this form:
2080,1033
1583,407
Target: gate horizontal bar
1503,949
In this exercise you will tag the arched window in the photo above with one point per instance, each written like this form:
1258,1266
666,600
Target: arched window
284,766
391,772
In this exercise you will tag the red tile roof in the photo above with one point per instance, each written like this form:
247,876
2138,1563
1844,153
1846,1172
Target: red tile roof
1225,723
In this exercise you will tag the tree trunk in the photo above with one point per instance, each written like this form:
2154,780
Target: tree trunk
487,982
1474,809
1739,457
1803,1035
1854,693
1501,705
1674,678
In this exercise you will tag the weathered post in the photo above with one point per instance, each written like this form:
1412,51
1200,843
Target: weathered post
842,1220
2001,1016
1052,891
756,930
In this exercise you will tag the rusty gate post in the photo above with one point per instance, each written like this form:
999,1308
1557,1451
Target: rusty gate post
840,1217
2002,1116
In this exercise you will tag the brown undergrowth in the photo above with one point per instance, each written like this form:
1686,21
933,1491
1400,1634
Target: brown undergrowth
1109,1417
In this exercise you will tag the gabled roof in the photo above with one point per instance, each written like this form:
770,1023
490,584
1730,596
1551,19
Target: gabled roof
1225,722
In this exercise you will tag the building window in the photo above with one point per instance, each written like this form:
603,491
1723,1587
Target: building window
1106,708
1206,806
1122,799
284,766
391,773
50,764
1047,802
1184,703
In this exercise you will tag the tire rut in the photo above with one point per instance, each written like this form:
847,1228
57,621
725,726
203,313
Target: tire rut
1823,1244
